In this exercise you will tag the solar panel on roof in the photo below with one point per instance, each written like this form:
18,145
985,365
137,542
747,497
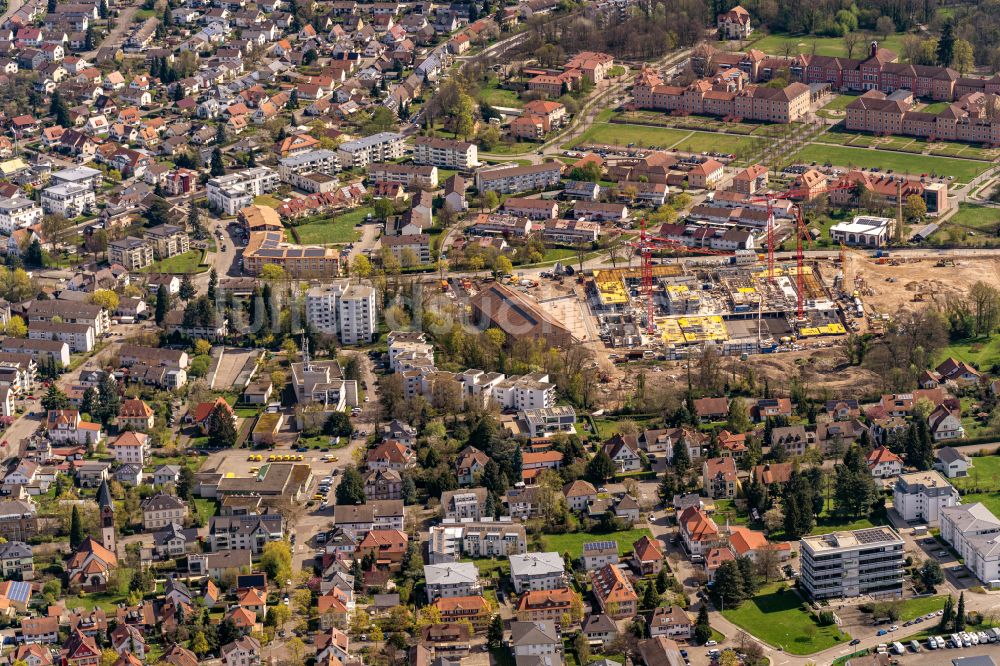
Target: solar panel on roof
19,592
871,536
600,545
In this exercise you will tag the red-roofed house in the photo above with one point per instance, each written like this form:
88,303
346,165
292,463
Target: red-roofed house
201,416
698,531
460,609
391,455
883,463
647,556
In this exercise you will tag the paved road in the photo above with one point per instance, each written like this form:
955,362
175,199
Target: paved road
116,37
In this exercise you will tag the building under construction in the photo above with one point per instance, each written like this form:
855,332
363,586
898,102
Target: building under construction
738,306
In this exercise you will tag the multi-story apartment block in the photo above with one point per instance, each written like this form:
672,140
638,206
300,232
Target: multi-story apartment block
922,495
322,306
79,337
531,391
356,314
614,592
68,200
80,175
453,540
161,510
974,532
418,244
19,520
168,240
546,420
298,261
508,180
453,579
537,571
381,147
131,252
245,532
70,312
18,213
411,176
597,554
233,191
851,564
314,161
445,153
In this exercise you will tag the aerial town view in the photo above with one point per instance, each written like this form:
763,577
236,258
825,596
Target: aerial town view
519,333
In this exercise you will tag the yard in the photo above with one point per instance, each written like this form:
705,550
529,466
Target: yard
963,170
983,353
338,228
918,607
266,200
188,262
778,616
824,46
494,95
975,217
641,136
984,475
572,543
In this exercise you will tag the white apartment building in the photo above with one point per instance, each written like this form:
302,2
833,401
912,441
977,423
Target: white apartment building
81,175
68,200
922,495
131,252
531,391
445,153
453,539
851,564
79,337
409,350
974,532
17,213
478,385
381,147
407,175
597,554
234,191
321,306
548,420
313,161
356,314
507,180
453,579
537,571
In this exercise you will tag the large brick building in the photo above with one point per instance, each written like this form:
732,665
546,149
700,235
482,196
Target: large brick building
969,119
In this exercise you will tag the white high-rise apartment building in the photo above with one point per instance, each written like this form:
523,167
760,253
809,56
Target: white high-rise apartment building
357,314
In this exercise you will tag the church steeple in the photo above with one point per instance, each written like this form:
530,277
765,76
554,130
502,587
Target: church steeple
107,507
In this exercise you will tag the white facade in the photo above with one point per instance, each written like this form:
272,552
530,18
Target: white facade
381,147
68,200
313,161
922,495
357,315
532,391
851,564
974,532
537,571
445,153
18,213
233,191
321,306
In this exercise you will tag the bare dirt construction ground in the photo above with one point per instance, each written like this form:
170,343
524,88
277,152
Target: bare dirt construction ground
896,288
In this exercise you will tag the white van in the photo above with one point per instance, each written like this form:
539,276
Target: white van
898,648
956,640
883,648
915,646
931,643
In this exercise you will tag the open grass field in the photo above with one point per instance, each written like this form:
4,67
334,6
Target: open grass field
338,228
914,608
935,107
572,543
620,134
983,475
266,200
824,46
976,217
839,102
778,617
983,353
188,262
963,170
495,96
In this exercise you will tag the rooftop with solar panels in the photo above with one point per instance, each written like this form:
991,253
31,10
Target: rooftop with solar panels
852,539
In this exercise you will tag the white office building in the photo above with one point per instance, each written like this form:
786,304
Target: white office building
17,213
69,199
231,192
974,532
920,496
531,391
850,564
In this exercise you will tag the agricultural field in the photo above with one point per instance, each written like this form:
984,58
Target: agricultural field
963,170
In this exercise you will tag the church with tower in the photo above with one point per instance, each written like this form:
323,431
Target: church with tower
107,507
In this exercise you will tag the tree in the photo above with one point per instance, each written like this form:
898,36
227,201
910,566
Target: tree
221,429
799,516
55,398
162,304
361,266
16,328
682,459
947,614
702,629
774,518
213,283
105,298
75,529
187,290
494,634
502,266
729,587
851,41
352,487
600,468
984,300
650,598
667,488
383,209
218,168
960,614
738,419
34,256
59,110
963,56
931,574
489,200
199,644
854,489
946,44
88,404
915,208
276,561
884,26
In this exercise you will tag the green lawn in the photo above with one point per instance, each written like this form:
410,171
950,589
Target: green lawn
984,475
573,542
977,217
621,134
87,601
914,608
824,46
487,566
979,352
558,254
962,170
935,107
495,96
726,509
840,102
338,228
267,200
778,616
607,428
188,262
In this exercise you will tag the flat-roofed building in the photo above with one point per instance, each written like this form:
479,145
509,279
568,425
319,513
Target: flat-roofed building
507,180
131,252
453,539
852,564
381,147
445,153
922,495
168,240
408,175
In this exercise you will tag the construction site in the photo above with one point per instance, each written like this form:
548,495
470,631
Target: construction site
741,308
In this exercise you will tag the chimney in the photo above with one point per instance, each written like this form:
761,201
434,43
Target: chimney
874,49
